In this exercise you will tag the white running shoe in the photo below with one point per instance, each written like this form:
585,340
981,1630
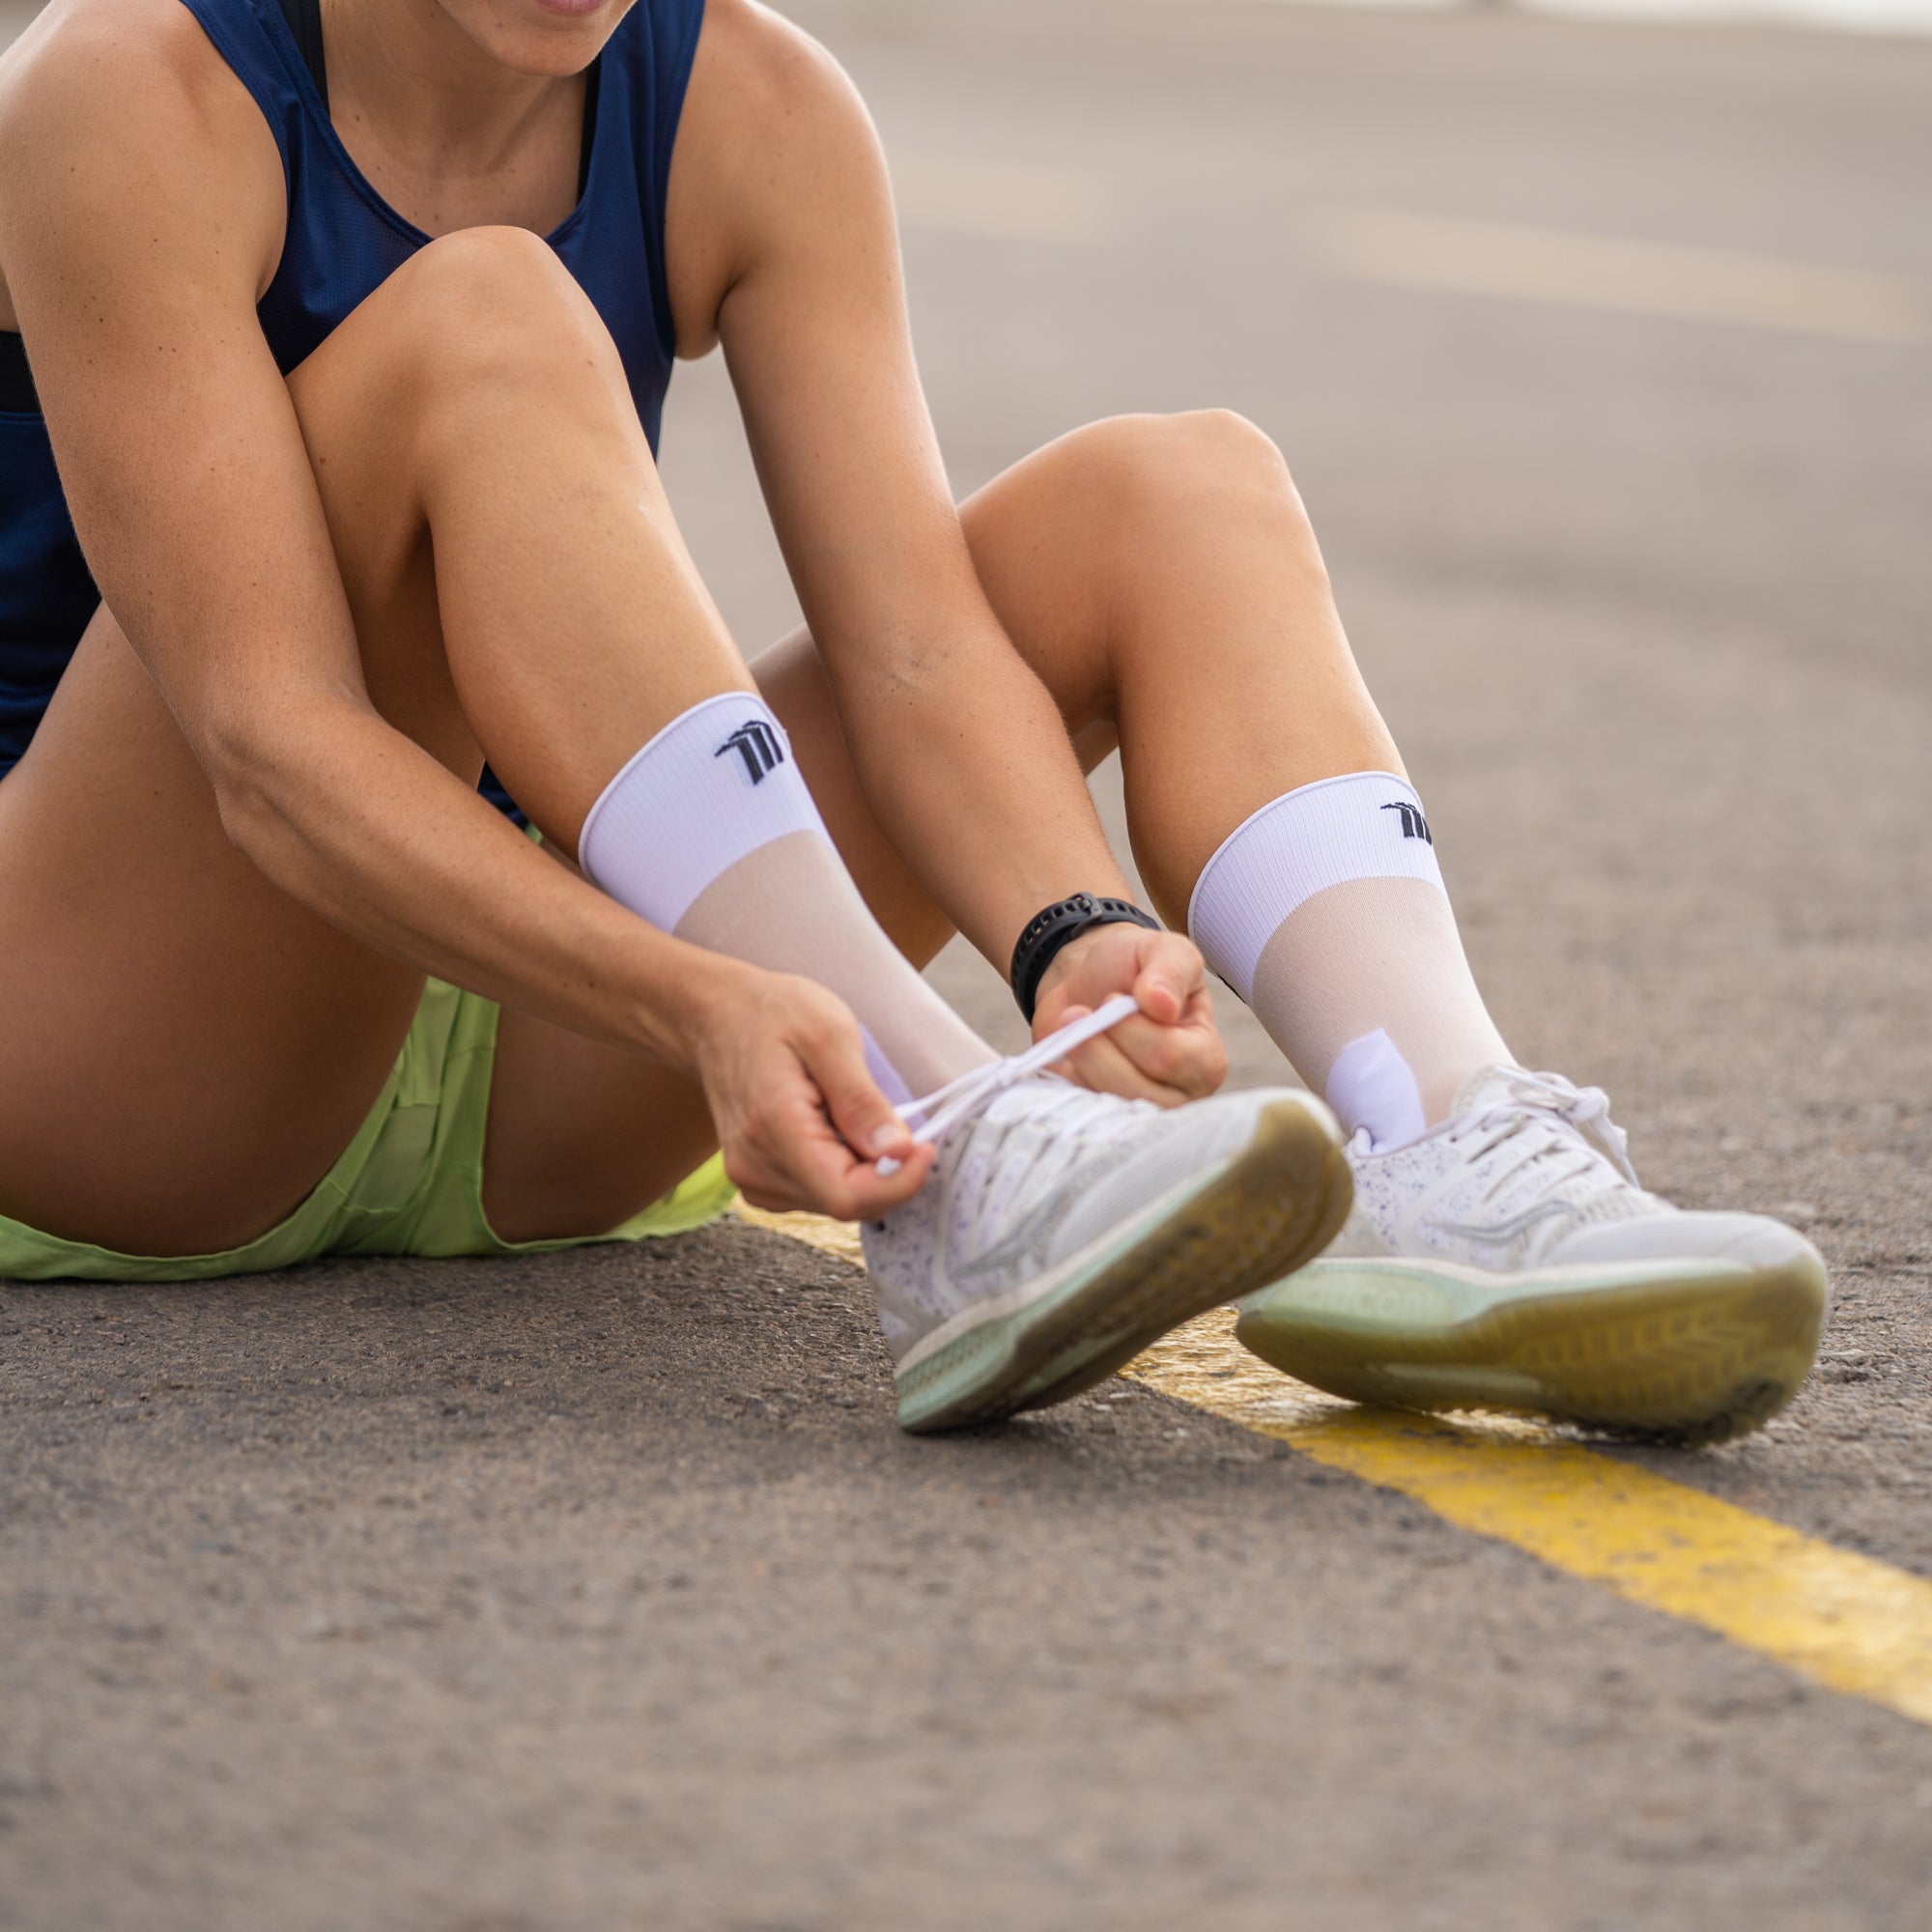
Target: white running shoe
1508,1260
1062,1230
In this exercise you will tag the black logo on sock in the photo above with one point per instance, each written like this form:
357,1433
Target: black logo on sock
1413,824
757,744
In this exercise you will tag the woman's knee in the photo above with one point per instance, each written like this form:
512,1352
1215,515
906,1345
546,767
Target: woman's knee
479,317
1167,477
498,304
480,285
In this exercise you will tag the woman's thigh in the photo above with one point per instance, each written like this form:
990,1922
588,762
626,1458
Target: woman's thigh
184,1049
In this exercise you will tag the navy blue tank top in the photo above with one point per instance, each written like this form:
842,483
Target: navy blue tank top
343,241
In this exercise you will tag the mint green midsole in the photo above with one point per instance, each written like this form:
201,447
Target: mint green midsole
1395,1295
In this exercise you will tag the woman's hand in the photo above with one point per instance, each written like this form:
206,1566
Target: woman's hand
1172,1050
801,1122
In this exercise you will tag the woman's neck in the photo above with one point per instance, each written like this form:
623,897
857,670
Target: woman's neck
449,135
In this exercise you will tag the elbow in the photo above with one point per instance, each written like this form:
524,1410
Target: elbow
249,815
251,787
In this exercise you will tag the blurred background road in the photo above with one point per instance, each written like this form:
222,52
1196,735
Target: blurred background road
600,1590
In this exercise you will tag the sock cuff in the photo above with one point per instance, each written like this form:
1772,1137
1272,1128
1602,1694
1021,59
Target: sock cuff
1364,825
713,786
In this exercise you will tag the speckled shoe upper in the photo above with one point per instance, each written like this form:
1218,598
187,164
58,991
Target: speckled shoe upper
1046,1169
1529,1171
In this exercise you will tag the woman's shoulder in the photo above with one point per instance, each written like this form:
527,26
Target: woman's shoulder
128,102
103,42
763,91
759,50
772,122
94,64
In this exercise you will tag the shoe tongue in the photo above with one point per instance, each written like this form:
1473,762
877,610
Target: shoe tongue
1067,1114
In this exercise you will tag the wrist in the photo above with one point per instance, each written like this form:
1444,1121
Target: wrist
1067,961
691,1004
1046,936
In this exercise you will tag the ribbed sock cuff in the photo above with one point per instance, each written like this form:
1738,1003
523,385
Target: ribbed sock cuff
713,786
1367,825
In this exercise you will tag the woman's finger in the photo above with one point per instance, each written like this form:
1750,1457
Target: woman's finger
1171,974
811,1157
867,1121
1102,1066
1182,1062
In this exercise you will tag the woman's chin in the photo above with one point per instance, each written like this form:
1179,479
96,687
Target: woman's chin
551,37
577,10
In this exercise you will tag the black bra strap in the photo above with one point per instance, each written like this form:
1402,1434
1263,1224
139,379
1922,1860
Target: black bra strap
592,82
17,395
304,18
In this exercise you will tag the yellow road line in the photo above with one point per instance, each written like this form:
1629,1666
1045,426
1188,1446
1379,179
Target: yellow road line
831,1238
1846,1621
1843,1620
1494,258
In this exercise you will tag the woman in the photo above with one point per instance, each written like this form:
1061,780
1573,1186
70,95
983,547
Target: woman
348,323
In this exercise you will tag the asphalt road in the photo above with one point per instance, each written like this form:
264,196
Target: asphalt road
600,1589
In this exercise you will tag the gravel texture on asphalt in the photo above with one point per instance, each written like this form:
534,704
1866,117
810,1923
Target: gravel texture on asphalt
600,1589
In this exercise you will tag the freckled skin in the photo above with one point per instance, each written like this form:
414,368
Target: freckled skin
321,596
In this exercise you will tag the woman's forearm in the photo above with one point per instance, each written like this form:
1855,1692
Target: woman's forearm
353,819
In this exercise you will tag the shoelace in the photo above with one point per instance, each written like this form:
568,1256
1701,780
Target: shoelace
1552,1120
1584,1109
960,1100
1547,1114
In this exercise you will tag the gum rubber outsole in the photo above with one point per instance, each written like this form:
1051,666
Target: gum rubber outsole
1276,1205
1688,1361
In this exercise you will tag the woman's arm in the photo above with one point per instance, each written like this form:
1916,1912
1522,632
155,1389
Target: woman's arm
141,218
785,244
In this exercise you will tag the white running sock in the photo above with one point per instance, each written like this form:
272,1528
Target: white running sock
710,834
1327,913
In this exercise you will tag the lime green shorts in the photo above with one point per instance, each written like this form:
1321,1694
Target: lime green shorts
408,1184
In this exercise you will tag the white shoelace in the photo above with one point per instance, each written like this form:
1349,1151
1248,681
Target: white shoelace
1586,1110
960,1100
1547,1116
1548,1119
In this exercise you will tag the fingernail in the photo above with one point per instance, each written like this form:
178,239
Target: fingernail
890,1135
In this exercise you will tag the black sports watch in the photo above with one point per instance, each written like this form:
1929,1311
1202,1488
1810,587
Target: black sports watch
1047,931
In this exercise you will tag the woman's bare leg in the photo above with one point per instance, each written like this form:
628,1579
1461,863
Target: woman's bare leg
1160,577
1168,579
184,1049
